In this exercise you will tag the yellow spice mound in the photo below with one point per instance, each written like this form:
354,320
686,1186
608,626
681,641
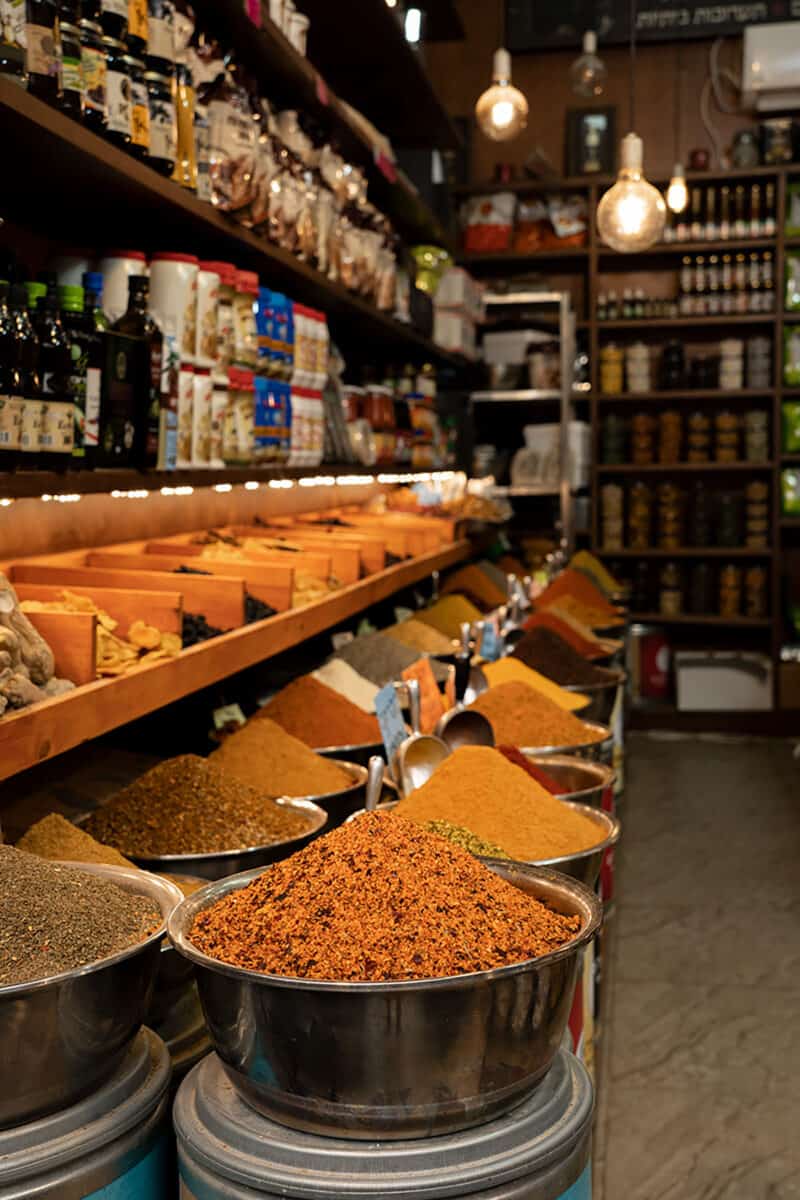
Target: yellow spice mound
478,788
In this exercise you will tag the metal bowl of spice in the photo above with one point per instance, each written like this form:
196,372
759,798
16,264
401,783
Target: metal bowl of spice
359,754
407,1058
602,696
583,781
585,865
600,750
221,863
65,1033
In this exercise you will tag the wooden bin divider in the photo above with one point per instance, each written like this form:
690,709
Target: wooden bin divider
219,599
373,546
71,637
272,585
345,558
318,565
125,605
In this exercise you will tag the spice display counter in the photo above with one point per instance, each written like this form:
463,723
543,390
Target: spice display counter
50,728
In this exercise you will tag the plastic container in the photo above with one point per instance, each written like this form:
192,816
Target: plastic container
173,299
245,334
208,285
115,1144
116,268
539,1151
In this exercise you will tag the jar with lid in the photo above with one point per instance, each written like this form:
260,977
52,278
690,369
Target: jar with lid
41,58
185,172
118,93
160,34
138,31
163,127
670,595
70,80
640,512
112,15
93,71
755,592
226,291
245,334
140,107
701,589
730,591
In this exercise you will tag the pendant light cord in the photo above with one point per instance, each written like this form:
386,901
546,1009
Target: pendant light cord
632,80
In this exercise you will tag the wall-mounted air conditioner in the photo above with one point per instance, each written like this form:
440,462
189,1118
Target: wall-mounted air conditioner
771,67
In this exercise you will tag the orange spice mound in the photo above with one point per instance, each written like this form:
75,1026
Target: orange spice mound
524,717
379,899
575,594
478,787
547,619
319,716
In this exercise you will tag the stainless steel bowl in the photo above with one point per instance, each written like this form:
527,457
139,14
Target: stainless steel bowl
65,1035
392,1060
599,751
585,865
230,862
358,754
602,697
585,781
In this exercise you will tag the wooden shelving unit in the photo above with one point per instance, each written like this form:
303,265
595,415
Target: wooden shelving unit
658,618
588,267
44,730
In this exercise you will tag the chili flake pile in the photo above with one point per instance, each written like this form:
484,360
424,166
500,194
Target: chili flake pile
379,899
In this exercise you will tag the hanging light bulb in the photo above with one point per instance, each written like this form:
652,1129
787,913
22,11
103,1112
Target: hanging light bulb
677,192
502,110
631,215
588,73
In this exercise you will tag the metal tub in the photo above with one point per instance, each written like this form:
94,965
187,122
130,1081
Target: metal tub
586,781
392,1060
65,1035
585,865
602,697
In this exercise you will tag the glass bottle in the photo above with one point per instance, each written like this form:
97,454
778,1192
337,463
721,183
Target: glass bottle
12,43
670,594
136,322
10,388
56,439
86,371
70,78
137,27
185,172
41,53
27,361
93,69
113,17
93,299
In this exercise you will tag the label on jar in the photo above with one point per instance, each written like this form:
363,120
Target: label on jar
219,405
93,68
232,139
137,19
91,426
70,73
163,130
14,27
115,8
118,102
201,421
207,304
185,412
161,30
40,55
57,432
140,115
10,422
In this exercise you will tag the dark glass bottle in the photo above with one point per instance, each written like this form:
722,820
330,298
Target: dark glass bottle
93,299
85,378
10,388
57,439
113,16
138,323
12,43
27,362
70,76
41,52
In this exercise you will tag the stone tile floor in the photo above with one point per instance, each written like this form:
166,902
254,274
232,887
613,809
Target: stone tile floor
700,1083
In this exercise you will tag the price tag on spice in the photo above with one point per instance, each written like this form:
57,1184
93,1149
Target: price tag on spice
490,641
431,706
390,719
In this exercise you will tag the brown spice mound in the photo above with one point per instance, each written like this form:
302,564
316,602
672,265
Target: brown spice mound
270,759
187,805
545,651
56,837
319,716
379,899
523,716
479,788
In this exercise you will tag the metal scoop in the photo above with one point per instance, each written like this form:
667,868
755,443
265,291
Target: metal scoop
375,769
461,726
476,680
421,753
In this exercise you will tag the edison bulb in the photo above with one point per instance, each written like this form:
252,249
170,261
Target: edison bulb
632,214
588,73
677,192
502,110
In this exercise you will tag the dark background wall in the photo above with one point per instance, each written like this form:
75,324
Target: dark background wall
462,70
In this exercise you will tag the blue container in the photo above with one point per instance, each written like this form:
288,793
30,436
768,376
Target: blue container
115,1145
539,1151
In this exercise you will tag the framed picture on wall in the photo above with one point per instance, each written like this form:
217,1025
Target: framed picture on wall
591,141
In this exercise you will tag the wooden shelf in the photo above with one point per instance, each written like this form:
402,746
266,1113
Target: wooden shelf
689,322
690,395
475,259
375,67
691,619
790,522
54,155
44,730
700,247
684,552
668,468
576,182
34,484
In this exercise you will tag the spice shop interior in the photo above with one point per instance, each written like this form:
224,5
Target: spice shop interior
399,600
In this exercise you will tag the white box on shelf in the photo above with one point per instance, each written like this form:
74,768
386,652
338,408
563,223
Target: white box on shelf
457,289
454,331
723,681
512,346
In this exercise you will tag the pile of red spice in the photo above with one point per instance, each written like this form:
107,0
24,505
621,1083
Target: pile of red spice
379,899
